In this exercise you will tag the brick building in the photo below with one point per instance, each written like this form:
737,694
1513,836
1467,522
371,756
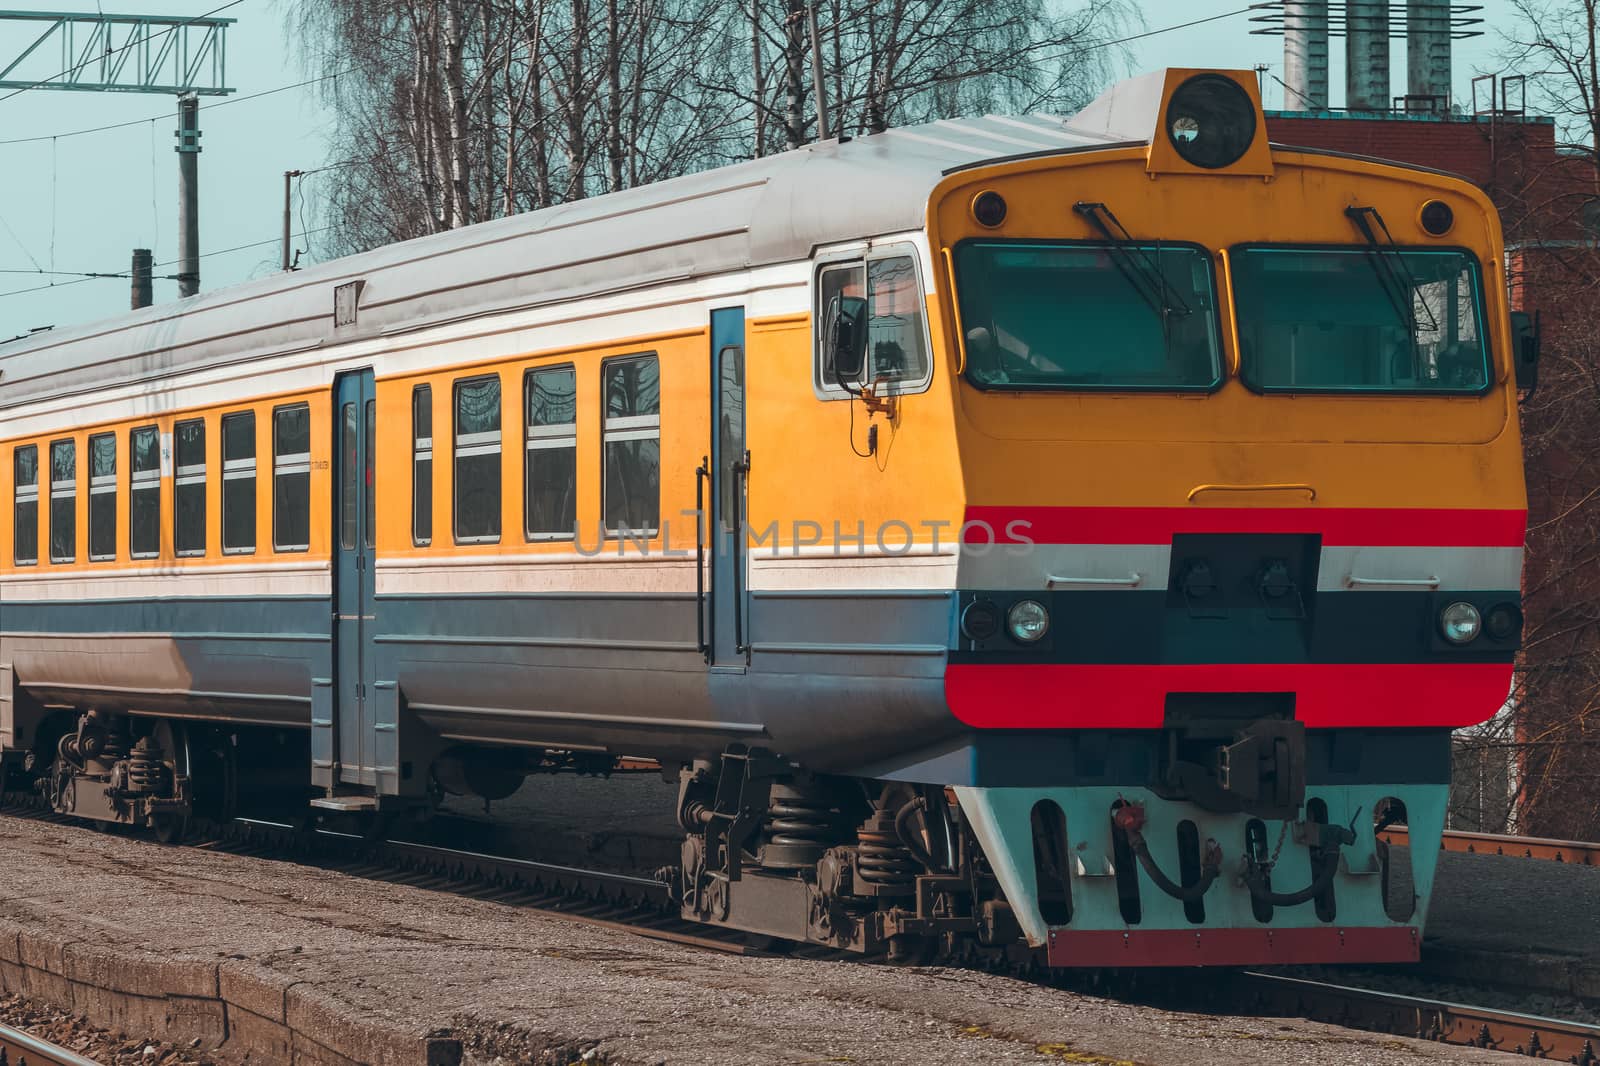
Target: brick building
1539,770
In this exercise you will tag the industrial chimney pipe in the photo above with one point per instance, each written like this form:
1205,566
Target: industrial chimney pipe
1366,81
1305,55
1428,53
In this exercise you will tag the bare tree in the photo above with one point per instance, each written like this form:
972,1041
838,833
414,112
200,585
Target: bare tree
455,111
1550,738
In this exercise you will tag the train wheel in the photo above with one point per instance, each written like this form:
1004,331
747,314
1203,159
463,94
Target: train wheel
171,826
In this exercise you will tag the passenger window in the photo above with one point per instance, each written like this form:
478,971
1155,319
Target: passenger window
189,488
144,493
239,483
897,348
422,465
103,496
632,445
291,478
25,506
477,460
63,501
551,458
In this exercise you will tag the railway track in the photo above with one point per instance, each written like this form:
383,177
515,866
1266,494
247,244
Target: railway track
19,1048
1552,1039
643,906
1572,852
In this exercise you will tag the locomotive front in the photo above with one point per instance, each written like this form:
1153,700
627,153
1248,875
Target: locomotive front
1244,516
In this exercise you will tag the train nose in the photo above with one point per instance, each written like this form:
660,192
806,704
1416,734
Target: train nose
1126,877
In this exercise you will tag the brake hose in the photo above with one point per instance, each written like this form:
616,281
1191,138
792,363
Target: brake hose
1255,880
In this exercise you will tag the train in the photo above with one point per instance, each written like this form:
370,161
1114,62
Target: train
1071,539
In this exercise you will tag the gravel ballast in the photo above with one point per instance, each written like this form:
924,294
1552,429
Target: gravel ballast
242,952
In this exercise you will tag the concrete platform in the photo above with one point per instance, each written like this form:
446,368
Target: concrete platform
273,963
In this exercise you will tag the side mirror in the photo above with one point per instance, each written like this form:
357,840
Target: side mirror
1525,339
846,336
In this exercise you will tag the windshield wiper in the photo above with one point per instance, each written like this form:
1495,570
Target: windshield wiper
1389,266
1135,264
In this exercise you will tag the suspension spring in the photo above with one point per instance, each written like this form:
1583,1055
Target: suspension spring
114,746
146,772
800,826
881,858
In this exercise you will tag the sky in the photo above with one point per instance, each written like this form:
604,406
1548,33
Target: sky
82,203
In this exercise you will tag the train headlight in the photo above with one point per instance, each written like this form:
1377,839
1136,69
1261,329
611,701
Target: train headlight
981,620
1460,623
1211,121
1027,621
1503,622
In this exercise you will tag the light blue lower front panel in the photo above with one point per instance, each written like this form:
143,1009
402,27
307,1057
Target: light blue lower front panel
1001,819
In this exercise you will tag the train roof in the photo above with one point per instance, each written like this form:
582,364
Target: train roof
769,210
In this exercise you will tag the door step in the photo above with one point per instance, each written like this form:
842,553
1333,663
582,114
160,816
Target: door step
346,803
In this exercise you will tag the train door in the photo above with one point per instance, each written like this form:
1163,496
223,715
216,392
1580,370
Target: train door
730,465
354,423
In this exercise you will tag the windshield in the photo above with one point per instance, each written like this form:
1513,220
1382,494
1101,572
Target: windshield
1359,320
1080,316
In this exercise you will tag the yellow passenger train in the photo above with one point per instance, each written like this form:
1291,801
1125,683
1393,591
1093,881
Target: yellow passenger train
1014,534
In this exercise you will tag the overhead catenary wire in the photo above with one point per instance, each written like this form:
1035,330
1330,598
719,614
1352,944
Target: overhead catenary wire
163,117
18,241
82,276
1096,45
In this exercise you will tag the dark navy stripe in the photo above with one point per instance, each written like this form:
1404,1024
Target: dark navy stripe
1119,626
207,618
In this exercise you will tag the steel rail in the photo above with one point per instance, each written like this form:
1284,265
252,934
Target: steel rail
1554,1039
1571,852
623,902
24,1049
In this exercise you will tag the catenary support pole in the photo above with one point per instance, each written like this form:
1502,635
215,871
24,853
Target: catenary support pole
141,272
818,86
288,176
188,149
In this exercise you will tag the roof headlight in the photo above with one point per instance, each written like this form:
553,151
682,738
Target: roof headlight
1436,218
1211,121
989,208
1460,623
1027,621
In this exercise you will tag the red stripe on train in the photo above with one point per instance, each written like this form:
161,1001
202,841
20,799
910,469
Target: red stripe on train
1345,526
1133,696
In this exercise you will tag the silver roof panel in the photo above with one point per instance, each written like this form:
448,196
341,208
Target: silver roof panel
771,210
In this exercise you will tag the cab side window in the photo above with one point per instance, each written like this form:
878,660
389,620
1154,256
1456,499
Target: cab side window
897,347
